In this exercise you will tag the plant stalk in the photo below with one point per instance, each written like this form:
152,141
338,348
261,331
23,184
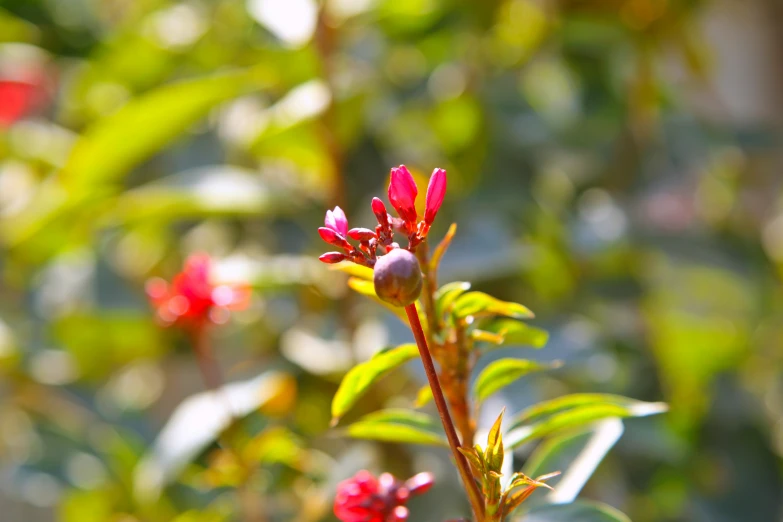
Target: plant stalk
474,495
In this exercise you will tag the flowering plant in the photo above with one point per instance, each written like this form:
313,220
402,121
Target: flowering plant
454,327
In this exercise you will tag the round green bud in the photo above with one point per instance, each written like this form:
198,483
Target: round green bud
397,277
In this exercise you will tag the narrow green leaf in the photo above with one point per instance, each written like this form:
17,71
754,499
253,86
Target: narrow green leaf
516,333
634,407
581,511
499,374
359,379
582,411
481,304
397,425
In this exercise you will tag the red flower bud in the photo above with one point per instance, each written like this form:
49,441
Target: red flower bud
435,192
361,234
397,277
333,257
402,193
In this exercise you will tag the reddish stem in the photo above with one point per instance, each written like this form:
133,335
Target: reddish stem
474,495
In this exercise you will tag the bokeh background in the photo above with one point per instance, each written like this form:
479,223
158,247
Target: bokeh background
615,165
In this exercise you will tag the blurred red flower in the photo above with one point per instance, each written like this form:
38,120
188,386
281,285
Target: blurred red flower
193,300
364,498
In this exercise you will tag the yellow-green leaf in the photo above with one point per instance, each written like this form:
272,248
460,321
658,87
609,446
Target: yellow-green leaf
397,425
499,374
516,332
481,304
575,411
359,379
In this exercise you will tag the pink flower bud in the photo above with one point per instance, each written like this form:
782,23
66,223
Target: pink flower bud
361,234
333,238
333,257
402,193
379,209
336,220
435,192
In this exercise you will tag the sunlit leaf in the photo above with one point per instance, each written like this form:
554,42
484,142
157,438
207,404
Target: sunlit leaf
516,332
481,304
499,374
358,380
397,425
352,269
574,411
447,294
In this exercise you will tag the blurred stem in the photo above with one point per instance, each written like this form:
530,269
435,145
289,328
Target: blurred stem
474,495
213,380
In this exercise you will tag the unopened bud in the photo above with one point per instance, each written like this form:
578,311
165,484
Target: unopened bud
333,257
361,234
397,277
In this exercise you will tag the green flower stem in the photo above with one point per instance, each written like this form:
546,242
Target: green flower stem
474,495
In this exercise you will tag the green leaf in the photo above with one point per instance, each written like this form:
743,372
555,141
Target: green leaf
447,294
578,453
574,411
499,374
516,332
359,379
146,124
218,190
397,425
576,512
635,407
481,304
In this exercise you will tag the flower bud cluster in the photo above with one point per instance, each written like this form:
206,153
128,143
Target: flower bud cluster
402,196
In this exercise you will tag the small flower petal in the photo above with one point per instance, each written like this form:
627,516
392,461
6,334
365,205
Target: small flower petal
436,190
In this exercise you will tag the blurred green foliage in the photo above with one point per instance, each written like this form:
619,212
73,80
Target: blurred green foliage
613,164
